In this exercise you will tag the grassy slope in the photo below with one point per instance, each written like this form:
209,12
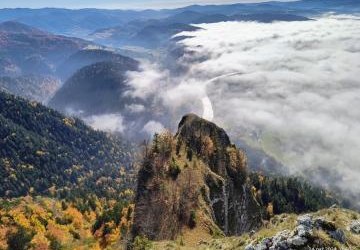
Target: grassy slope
341,218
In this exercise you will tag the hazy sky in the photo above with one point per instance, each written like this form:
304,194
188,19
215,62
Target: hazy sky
114,4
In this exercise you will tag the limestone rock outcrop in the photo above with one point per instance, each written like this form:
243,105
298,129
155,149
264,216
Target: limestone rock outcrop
195,180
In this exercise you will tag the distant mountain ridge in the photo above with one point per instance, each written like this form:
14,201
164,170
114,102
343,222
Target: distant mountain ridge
19,28
158,33
31,57
144,33
36,51
89,20
87,57
95,89
80,22
32,87
124,27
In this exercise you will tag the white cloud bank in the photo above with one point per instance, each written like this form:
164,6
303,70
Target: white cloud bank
153,127
291,87
107,122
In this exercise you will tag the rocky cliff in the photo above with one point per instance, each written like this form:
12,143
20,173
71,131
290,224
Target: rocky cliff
194,181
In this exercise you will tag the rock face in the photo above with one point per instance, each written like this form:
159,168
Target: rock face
303,235
196,179
355,227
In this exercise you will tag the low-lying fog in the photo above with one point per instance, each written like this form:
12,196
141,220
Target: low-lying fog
291,88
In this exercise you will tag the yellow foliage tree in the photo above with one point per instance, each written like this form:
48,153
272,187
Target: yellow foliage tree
57,232
40,242
270,209
75,216
3,237
21,220
36,224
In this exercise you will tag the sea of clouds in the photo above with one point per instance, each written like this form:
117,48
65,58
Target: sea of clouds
290,88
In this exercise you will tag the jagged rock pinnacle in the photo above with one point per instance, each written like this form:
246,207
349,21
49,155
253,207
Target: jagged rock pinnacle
196,174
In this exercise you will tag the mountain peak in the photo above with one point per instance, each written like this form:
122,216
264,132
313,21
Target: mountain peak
188,118
198,174
193,129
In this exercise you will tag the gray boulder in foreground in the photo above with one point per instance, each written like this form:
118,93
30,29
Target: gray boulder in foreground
355,227
302,235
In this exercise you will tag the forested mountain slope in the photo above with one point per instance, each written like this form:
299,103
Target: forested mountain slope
33,87
44,152
95,89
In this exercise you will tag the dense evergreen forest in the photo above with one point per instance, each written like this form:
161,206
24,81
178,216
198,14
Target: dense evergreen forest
44,152
281,194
